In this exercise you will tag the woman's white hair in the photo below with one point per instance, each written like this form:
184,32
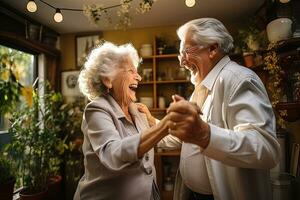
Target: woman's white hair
207,31
104,62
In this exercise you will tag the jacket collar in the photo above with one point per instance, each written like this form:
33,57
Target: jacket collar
211,77
118,110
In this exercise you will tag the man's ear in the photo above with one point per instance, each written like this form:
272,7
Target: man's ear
213,50
107,82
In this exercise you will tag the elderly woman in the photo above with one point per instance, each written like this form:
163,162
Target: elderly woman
118,143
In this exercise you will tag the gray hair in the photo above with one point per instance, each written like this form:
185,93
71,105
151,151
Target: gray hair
206,31
104,62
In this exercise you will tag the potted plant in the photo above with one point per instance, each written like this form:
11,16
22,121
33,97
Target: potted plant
37,143
7,179
249,41
74,166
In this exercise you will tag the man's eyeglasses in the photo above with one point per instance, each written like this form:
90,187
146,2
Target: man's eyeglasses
187,51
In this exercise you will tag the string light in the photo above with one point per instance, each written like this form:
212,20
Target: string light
58,16
190,3
31,6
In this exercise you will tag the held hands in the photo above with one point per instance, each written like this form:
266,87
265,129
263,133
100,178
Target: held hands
144,109
186,124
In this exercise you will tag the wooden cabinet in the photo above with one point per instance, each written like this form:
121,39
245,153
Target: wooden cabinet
166,163
161,78
288,53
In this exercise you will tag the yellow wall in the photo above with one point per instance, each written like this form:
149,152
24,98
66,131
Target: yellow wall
135,36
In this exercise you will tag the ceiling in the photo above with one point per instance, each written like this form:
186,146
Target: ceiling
163,13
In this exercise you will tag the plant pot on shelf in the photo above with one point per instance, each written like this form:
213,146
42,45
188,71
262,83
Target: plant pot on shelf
54,188
7,189
248,59
28,195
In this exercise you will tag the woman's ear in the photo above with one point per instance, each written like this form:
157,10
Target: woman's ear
107,82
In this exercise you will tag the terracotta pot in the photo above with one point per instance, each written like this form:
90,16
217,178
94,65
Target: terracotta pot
26,195
249,59
7,189
54,188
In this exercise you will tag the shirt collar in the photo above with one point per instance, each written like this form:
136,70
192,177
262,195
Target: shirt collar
211,77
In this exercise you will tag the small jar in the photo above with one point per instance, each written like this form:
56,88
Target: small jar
161,102
168,185
146,50
296,93
181,75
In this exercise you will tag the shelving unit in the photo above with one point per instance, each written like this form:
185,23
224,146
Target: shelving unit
289,57
164,80
160,158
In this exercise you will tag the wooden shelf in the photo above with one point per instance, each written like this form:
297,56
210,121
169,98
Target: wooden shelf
146,82
175,152
167,195
166,56
172,81
292,108
28,44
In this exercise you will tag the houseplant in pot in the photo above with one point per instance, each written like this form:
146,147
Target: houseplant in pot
37,144
7,179
249,40
74,166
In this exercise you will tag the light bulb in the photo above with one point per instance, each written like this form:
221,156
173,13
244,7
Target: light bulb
190,3
284,1
31,6
58,16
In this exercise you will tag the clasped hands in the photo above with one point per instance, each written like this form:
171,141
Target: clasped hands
183,121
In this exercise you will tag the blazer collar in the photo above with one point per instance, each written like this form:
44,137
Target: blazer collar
118,110
211,77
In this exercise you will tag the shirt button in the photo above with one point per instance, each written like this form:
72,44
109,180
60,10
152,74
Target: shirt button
149,170
146,156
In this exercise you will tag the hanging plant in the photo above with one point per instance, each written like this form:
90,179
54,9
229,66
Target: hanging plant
274,83
95,12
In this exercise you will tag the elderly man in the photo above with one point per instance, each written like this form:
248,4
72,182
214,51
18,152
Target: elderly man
227,129
228,150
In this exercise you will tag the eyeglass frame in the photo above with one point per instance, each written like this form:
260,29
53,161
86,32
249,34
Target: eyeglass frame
188,50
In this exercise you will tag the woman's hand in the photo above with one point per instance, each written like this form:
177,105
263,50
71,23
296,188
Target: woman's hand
144,109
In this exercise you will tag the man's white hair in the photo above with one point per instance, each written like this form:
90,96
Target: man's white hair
207,31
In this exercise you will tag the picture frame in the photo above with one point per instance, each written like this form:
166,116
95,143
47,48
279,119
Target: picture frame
69,84
84,43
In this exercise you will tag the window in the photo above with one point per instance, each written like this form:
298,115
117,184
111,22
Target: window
16,68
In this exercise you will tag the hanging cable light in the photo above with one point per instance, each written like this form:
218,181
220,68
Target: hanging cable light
190,3
31,6
58,16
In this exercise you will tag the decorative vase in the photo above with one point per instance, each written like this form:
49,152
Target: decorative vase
146,50
25,195
279,29
7,189
54,188
248,59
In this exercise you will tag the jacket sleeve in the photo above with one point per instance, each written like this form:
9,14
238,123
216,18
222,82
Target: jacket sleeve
248,139
114,152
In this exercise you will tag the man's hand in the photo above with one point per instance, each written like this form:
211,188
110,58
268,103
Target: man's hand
186,123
